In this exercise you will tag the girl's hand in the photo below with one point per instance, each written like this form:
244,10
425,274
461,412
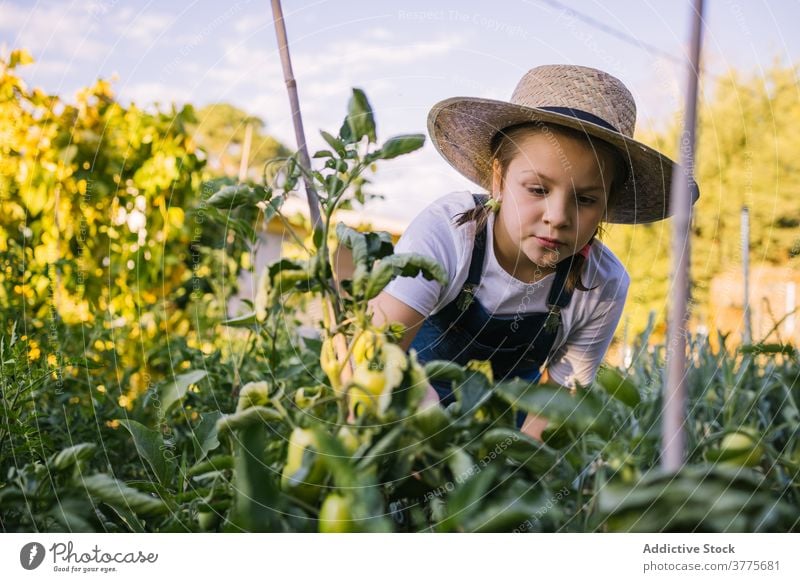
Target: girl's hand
533,426
431,397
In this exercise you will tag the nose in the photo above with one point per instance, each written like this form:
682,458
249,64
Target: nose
558,210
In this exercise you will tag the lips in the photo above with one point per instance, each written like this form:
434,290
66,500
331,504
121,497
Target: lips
550,243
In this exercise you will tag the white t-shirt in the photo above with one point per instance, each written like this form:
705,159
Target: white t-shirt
588,322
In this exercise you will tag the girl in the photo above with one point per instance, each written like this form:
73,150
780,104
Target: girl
531,288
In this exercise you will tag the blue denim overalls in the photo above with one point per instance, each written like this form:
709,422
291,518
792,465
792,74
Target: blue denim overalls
463,330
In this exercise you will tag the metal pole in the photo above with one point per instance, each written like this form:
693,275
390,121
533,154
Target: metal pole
747,334
294,101
244,163
673,439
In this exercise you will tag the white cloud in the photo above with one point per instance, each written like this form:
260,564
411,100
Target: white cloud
359,55
249,24
379,33
51,27
144,28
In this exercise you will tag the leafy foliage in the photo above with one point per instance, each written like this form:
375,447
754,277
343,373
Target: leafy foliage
322,430
745,156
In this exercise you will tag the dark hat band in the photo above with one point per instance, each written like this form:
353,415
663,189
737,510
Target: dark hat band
581,115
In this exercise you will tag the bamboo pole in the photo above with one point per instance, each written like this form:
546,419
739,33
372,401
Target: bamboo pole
339,342
673,438
244,163
297,119
745,234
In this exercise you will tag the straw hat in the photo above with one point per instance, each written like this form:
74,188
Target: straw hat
580,98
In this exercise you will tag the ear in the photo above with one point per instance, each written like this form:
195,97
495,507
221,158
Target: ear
497,177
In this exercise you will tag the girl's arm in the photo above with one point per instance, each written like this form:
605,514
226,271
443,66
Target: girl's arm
387,309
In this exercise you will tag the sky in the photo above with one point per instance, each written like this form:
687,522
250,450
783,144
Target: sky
406,55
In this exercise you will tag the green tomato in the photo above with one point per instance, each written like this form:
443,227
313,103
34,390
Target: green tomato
308,486
741,449
349,439
335,515
207,520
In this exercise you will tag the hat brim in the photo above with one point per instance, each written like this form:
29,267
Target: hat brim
461,129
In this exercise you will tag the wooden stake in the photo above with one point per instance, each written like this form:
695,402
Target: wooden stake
673,426
297,120
340,345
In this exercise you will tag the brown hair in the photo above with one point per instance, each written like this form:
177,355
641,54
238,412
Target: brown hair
504,149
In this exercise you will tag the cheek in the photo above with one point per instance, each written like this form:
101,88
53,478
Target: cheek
590,219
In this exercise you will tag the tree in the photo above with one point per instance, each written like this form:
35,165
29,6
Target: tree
747,153
220,130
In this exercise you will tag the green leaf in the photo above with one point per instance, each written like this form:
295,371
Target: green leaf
129,518
367,247
472,393
434,423
357,242
444,370
345,134
231,197
507,508
402,265
402,144
257,499
521,449
285,265
360,118
72,513
151,447
583,411
471,481
618,386
174,392
764,348
270,208
204,437
379,244
334,185
105,488
253,416
248,320
336,144
212,464
696,498
74,455
366,502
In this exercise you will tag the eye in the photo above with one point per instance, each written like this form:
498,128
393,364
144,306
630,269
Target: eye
586,200
538,190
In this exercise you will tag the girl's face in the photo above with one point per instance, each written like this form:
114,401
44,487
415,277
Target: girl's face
554,194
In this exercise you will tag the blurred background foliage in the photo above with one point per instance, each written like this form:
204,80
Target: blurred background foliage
115,273
111,257
746,155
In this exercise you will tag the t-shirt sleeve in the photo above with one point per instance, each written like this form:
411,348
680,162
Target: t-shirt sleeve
432,234
586,346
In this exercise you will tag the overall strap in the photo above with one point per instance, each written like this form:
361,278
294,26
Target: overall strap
559,295
479,248
467,294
